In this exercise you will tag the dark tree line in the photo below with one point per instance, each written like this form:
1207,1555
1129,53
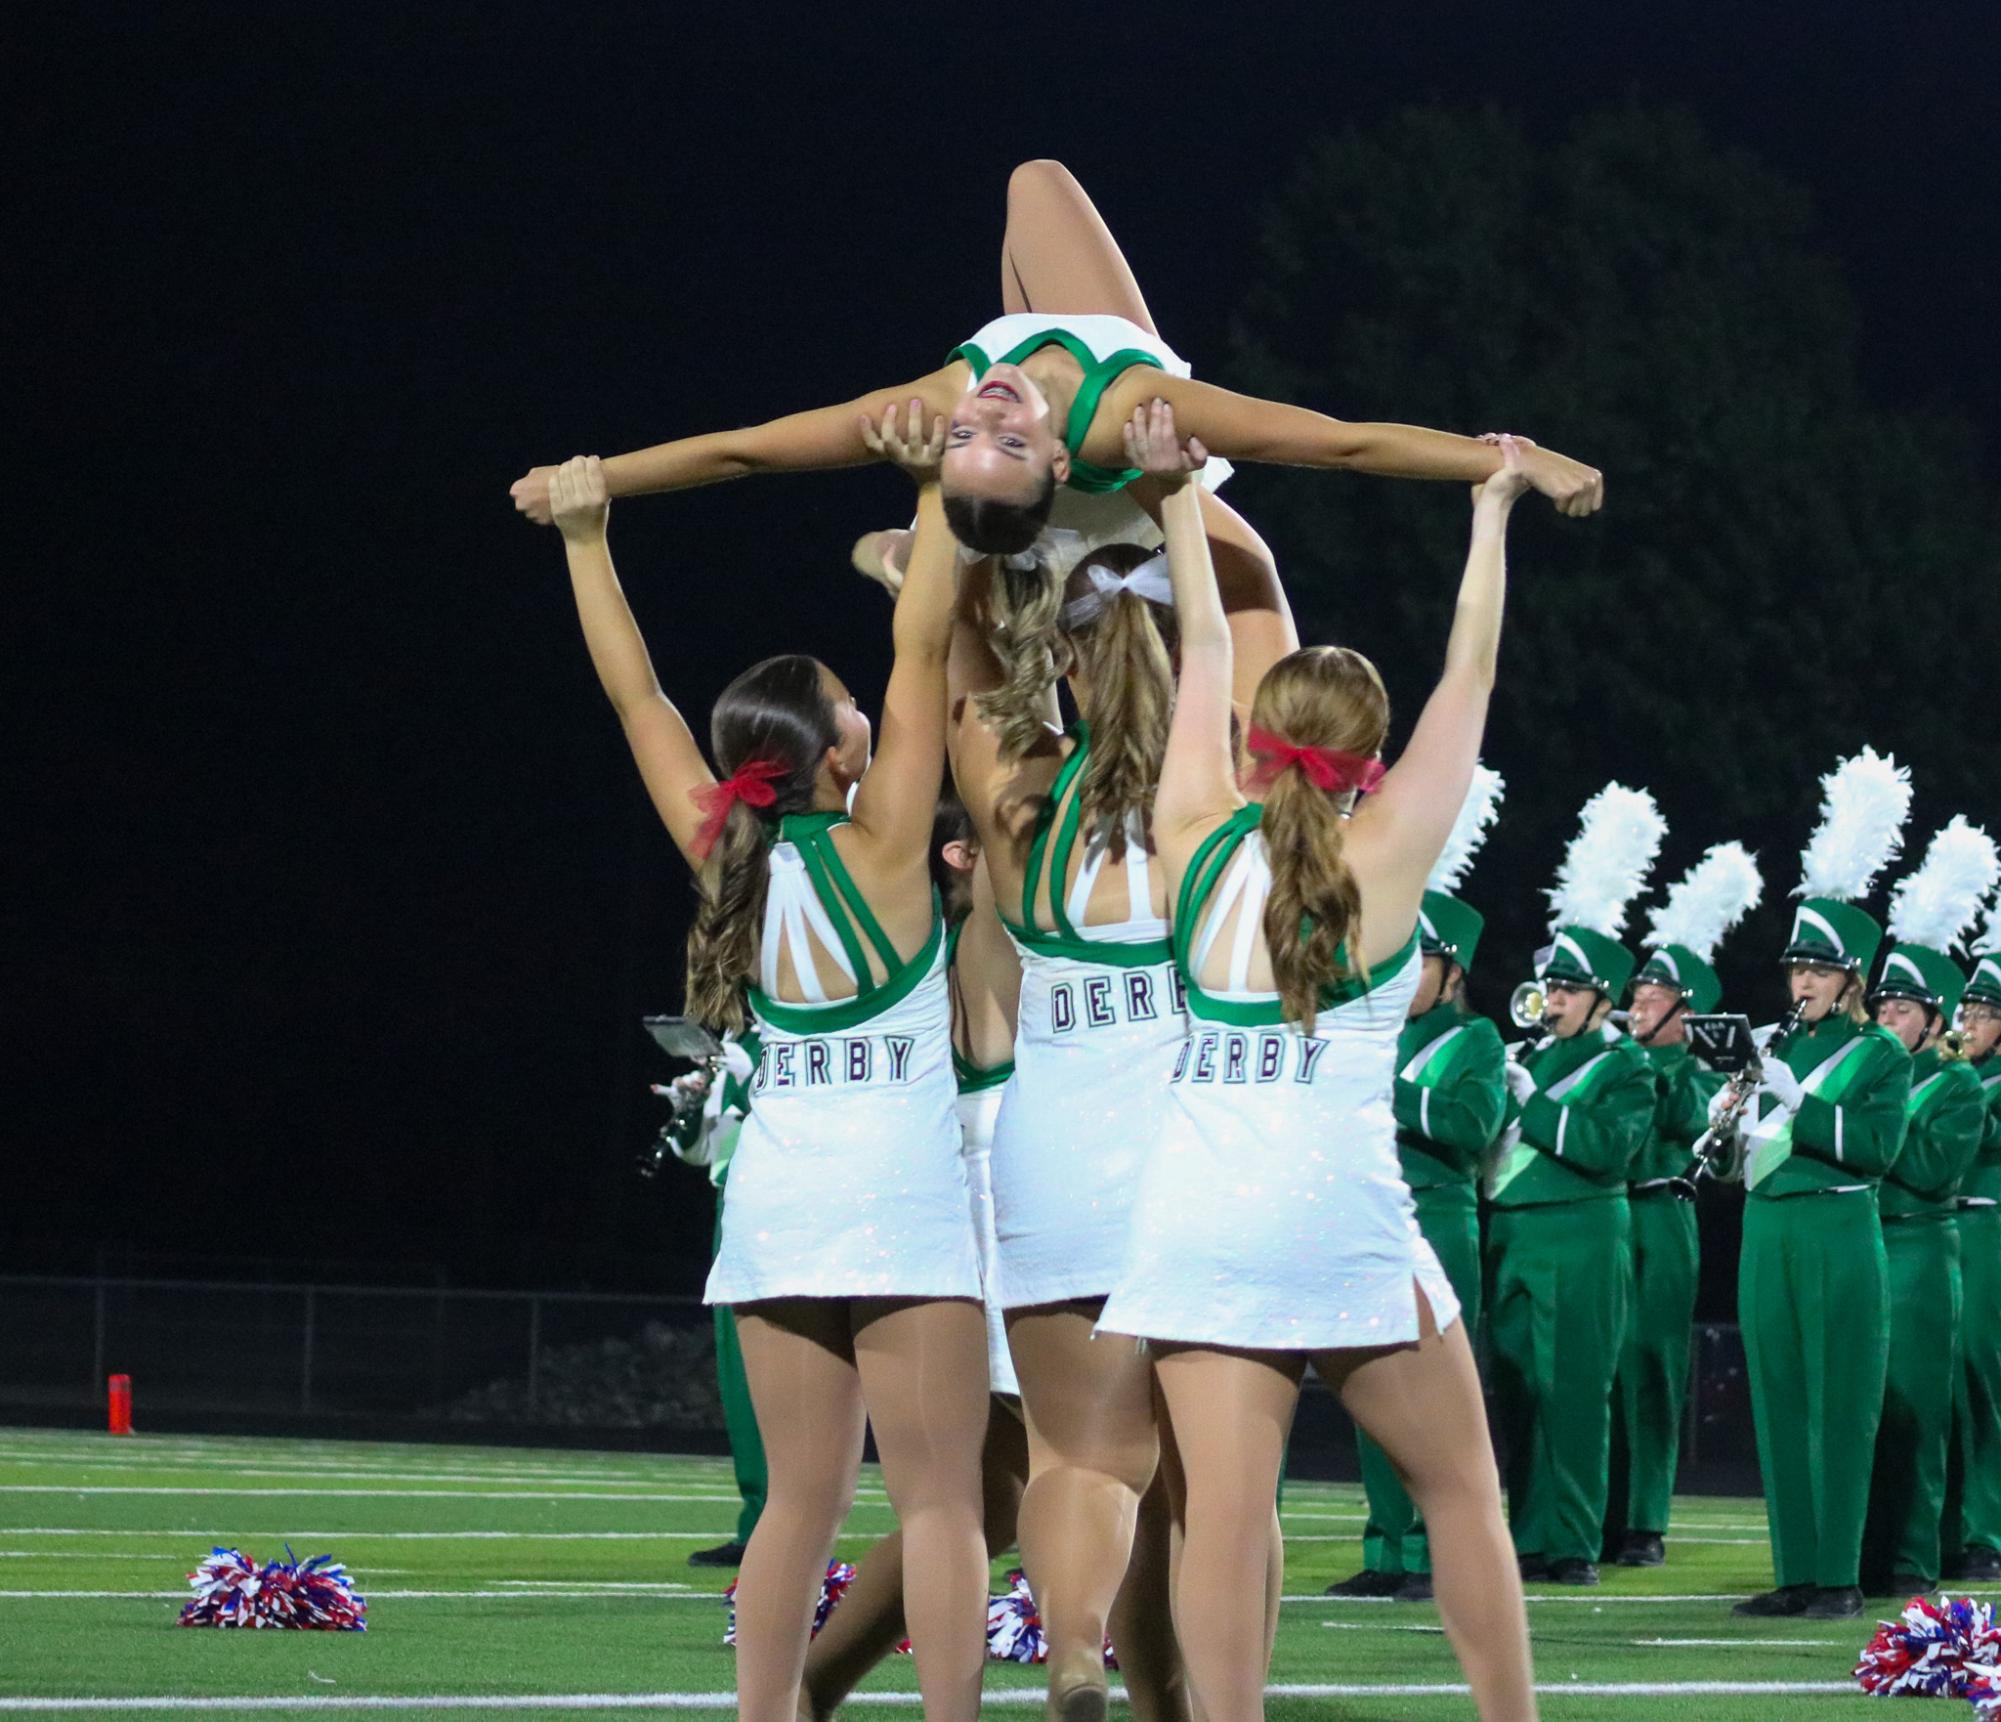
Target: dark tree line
1783,572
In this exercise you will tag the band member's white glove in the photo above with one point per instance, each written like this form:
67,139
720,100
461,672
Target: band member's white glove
1521,1082
1781,1085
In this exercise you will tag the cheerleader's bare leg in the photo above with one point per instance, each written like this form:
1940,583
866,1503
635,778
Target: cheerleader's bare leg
1141,1627
1231,1413
923,1368
869,1624
1421,1404
1058,254
1092,1451
799,1357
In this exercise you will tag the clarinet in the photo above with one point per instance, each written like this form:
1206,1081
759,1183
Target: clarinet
1719,1150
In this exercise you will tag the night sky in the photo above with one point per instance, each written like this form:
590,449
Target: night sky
333,897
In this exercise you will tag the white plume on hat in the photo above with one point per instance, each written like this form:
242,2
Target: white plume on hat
1864,803
1938,902
1477,814
1708,900
1618,835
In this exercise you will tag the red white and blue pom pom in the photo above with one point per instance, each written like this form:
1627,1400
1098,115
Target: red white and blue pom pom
840,1574
1014,1626
315,1596
1943,1649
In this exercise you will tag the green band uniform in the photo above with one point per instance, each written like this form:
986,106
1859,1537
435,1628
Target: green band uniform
1558,1267
1918,1204
1449,1100
1652,1383
1812,1293
739,1419
1973,1505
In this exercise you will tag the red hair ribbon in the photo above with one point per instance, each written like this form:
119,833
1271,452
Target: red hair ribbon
1329,768
750,784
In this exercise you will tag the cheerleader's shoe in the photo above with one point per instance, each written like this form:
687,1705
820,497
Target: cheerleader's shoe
1078,1692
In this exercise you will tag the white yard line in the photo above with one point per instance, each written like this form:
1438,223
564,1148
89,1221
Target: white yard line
1532,1597
373,1593
82,1489
1013,1697
380,1536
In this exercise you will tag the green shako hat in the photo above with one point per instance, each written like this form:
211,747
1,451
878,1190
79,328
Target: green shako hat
1446,926
1589,958
1931,909
1984,947
1679,967
1985,982
1704,904
1618,835
1864,803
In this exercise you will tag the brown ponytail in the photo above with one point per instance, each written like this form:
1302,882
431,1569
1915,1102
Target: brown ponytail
779,711
1124,647
1325,697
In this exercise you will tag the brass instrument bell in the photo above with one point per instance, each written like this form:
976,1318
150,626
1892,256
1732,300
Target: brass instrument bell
1525,1008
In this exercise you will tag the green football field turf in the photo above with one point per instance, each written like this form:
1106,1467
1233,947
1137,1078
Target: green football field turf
509,1580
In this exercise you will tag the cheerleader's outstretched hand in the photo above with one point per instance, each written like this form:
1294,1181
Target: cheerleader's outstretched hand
905,442
1153,447
579,501
1513,478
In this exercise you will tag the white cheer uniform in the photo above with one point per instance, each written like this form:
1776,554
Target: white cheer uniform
1272,1213
847,1179
1101,1020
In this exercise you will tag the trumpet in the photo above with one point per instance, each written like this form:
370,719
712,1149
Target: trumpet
1719,1150
1952,1046
1526,1007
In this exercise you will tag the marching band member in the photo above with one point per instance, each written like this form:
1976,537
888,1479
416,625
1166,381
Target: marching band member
1449,1098
1675,981
1973,1496
1820,1130
1580,1101
1917,992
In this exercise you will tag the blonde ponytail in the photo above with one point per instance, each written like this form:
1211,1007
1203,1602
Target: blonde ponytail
1325,697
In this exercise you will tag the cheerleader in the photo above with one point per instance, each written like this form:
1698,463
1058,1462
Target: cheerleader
1272,1226
984,977
1038,399
848,1251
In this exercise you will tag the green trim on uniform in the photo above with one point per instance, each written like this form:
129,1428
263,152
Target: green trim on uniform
1850,1126
1099,374
1579,1131
972,1078
834,885
1205,867
1050,849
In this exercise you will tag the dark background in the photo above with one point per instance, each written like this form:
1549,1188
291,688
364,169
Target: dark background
334,900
